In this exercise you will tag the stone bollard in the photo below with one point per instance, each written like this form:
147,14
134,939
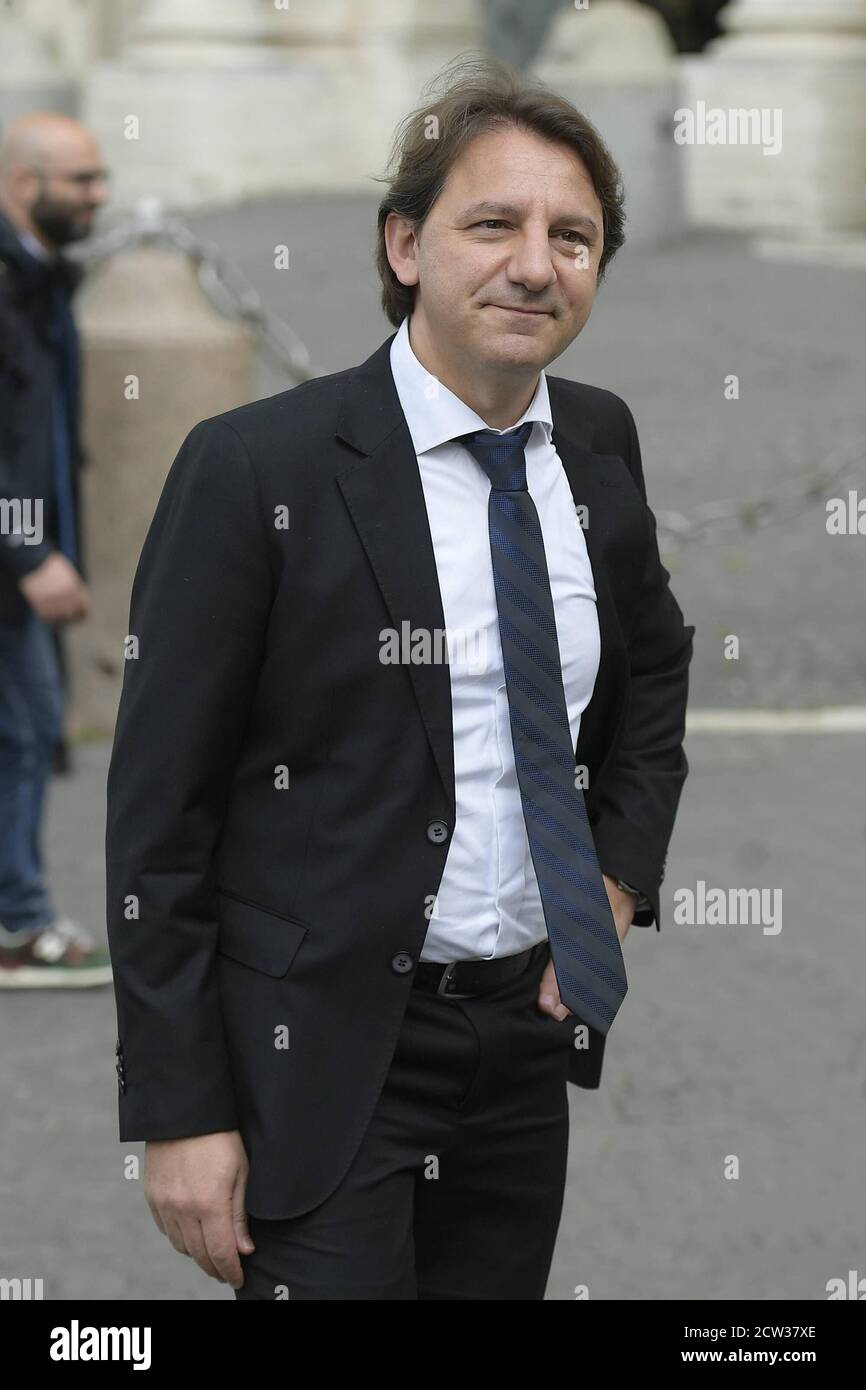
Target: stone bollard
775,141
33,77
157,358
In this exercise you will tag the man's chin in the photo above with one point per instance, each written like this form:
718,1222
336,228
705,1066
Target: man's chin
75,231
80,230
512,350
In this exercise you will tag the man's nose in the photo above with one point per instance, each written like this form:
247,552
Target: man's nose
532,264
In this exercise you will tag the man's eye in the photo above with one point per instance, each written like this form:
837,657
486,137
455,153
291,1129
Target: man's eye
494,223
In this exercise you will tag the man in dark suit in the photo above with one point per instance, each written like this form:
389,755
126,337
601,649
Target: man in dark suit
398,754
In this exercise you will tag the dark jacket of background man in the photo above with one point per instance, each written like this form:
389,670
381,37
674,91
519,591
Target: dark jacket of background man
29,364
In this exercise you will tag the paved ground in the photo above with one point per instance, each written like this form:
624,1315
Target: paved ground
732,1042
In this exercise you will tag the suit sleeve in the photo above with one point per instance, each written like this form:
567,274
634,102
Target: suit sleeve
15,556
199,609
637,809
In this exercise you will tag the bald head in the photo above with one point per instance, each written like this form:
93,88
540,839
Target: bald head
51,176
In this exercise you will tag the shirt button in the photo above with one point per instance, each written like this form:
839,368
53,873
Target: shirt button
437,832
402,963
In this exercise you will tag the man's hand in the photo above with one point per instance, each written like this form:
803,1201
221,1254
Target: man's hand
195,1189
622,905
56,590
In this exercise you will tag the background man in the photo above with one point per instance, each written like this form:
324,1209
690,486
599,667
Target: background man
51,185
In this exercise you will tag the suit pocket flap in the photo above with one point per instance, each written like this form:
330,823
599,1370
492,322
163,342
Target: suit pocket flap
256,936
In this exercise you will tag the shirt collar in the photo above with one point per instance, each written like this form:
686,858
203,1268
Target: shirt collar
433,413
32,244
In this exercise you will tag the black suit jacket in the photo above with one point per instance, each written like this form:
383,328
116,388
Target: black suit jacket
259,931
28,371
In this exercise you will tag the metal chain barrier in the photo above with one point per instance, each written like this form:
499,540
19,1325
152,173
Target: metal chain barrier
232,294
716,521
227,288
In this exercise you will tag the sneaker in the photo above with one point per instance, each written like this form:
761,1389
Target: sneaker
62,955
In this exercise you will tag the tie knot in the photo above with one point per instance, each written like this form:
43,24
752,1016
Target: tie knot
501,455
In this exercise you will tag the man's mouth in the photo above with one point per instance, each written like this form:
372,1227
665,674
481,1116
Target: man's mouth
510,309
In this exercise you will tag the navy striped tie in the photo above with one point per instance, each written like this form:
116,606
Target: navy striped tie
584,945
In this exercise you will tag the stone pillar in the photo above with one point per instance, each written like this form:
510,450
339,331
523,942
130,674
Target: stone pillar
33,77
220,32
236,99
157,359
365,63
401,48
199,106
616,62
106,23
805,61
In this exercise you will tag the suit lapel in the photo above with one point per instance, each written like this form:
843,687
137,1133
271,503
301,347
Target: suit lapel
593,489
385,498
383,492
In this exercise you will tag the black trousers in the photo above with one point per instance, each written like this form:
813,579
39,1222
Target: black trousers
457,1188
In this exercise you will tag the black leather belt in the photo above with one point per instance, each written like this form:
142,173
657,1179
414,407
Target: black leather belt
461,978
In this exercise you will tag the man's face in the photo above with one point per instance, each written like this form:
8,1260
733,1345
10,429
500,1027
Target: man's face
517,227
68,190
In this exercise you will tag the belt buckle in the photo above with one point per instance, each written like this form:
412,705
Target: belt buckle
447,975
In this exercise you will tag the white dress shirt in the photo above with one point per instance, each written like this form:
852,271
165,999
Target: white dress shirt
488,902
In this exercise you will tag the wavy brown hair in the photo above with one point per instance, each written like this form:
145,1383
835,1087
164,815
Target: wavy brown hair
469,97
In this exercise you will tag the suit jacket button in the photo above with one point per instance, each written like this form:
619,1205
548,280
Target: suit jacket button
402,963
437,832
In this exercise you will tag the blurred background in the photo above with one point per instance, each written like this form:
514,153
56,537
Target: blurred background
245,142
